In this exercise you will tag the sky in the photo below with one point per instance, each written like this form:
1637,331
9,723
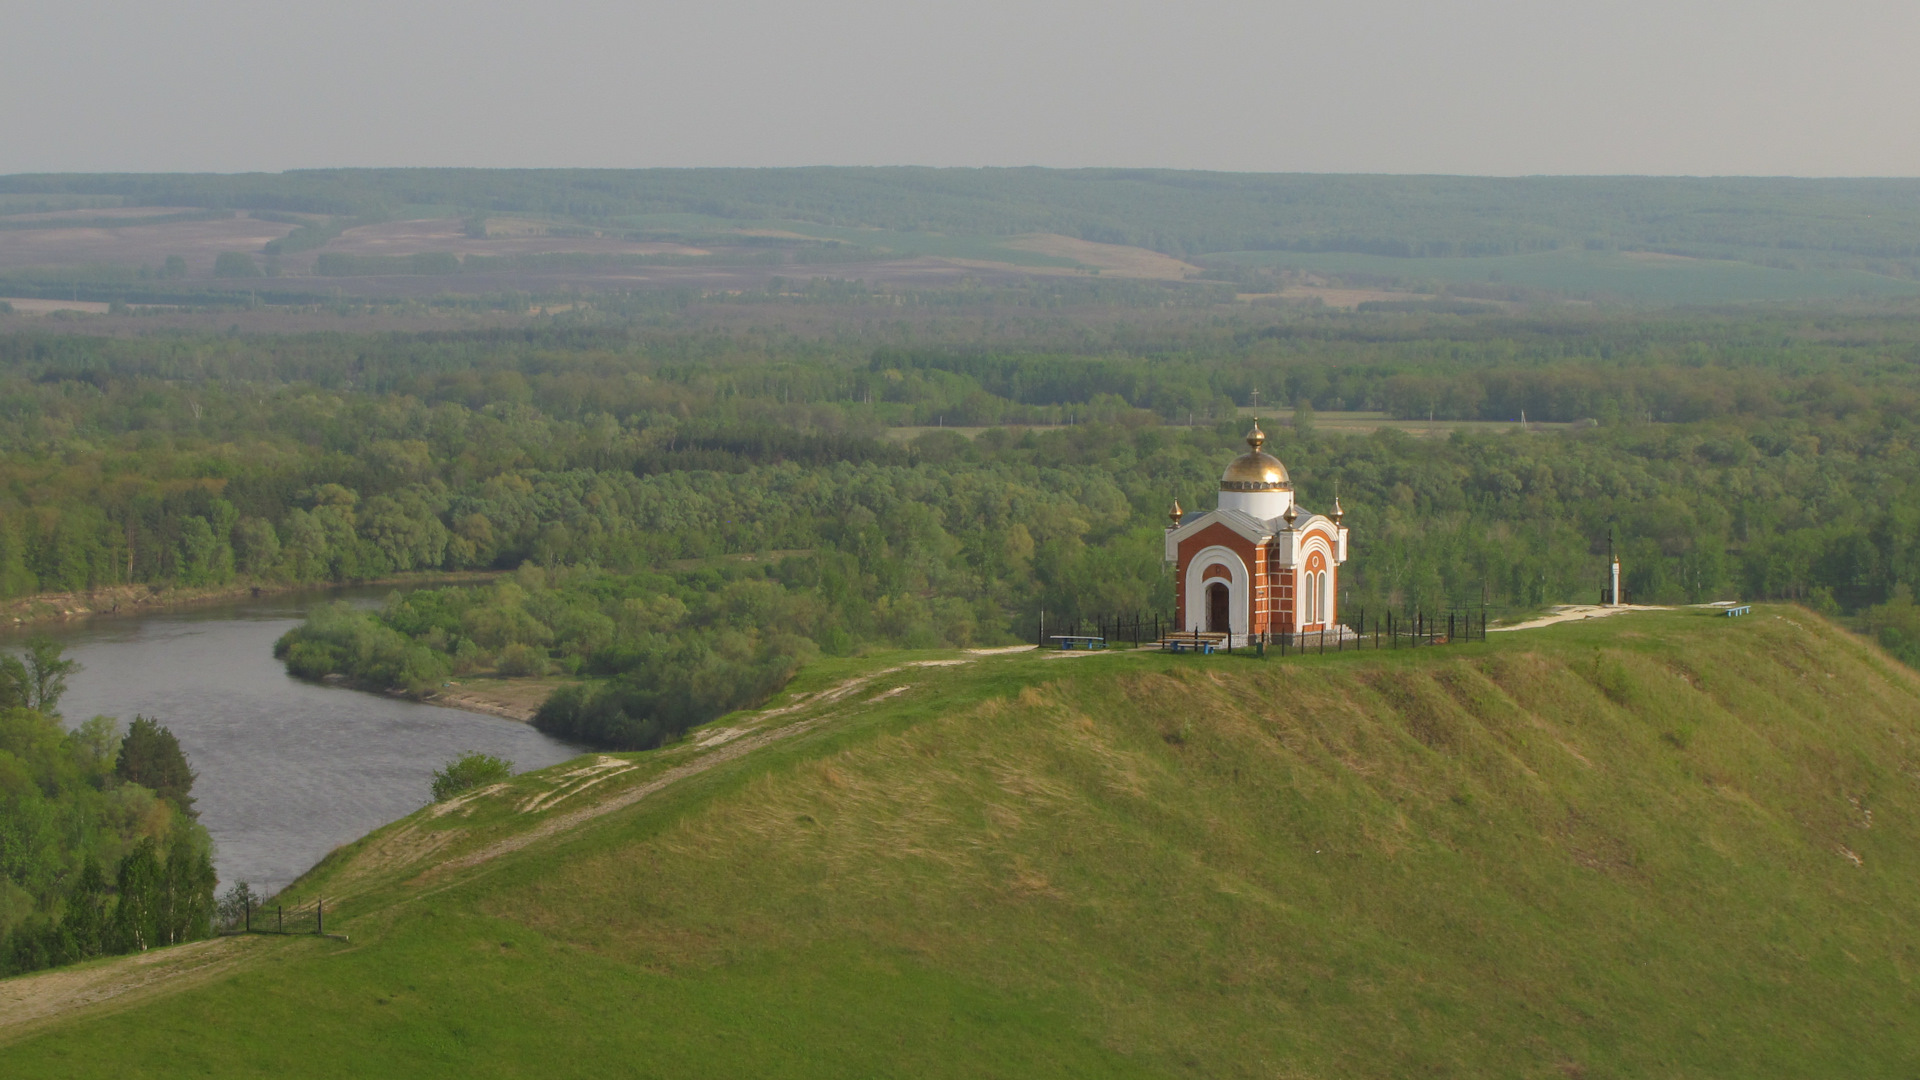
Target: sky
1484,87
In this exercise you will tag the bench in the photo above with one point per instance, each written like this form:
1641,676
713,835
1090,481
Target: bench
1743,609
1079,641
1179,645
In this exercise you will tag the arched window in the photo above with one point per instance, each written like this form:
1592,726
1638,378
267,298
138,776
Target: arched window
1326,601
1307,604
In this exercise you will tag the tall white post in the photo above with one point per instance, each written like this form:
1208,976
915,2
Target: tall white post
1613,597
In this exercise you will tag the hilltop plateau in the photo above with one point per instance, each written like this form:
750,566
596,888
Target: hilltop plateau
1667,843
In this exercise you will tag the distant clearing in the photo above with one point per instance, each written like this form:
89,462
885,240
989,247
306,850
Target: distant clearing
198,242
29,306
520,238
105,214
1606,275
1115,259
1346,298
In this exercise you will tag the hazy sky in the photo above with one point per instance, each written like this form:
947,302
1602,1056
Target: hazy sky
1459,86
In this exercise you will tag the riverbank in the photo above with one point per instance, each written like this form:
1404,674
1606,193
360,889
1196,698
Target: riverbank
153,599
513,699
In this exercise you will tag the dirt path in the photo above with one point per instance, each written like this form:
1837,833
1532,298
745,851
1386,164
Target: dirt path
1570,612
722,745
30,1001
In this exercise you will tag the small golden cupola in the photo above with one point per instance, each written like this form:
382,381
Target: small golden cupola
1256,483
1256,470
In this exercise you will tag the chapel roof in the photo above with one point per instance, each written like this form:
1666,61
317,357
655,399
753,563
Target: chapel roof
1256,470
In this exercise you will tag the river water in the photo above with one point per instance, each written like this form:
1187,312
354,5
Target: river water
288,770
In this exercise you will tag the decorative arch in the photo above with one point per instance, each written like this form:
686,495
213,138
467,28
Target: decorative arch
1239,588
1314,603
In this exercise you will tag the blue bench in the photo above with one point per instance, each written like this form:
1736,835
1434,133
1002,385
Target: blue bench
1079,641
1204,645
1743,609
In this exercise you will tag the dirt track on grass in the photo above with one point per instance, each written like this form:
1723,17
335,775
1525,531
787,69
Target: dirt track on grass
29,1001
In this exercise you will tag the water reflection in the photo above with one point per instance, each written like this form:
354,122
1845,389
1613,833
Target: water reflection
287,770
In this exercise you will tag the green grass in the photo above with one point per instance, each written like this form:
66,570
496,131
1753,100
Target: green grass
1625,847
1597,275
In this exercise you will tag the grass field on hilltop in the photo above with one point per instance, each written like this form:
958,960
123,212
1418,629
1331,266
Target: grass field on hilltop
1665,843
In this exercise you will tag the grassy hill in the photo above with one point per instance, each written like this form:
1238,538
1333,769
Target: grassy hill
1659,844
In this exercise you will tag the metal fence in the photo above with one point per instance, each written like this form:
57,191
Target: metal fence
277,918
1394,630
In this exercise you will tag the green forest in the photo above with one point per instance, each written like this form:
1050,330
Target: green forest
690,509
101,851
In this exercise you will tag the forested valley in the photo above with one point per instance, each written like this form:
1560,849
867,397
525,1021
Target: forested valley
688,510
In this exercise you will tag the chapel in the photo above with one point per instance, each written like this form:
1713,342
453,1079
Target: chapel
1256,564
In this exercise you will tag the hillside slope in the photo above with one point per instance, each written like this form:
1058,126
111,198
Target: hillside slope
1665,844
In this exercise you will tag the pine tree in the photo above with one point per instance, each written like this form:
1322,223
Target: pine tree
151,757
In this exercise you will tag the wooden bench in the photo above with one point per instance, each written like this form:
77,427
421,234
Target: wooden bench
1079,641
1743,609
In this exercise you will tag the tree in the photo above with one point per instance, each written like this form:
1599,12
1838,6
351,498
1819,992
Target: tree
467,772
84,928
235,264
175,267
14,685
140,879
186,898
257,544
151,757
39,682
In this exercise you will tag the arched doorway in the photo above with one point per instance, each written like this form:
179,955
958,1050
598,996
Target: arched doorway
1218,619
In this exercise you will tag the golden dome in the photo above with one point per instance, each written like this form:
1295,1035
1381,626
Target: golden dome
1256,470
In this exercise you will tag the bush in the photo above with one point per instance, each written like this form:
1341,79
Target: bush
518,660
338,640
467,772
235,264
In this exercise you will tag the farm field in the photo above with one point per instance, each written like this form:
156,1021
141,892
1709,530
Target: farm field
1608,275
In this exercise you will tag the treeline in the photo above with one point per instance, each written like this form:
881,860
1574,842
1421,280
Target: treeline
1776,449
665,652
100,852
1859,223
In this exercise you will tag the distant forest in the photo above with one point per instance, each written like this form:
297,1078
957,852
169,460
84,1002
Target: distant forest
1865,224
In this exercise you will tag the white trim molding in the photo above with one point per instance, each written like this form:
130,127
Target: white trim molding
1239,588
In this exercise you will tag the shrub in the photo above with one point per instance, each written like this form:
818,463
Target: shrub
516,660
467,772
235,264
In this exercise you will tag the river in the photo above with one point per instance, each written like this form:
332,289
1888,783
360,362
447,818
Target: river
288,770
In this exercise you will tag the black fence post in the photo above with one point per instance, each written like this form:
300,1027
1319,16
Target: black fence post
319,916
248,907
280,917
